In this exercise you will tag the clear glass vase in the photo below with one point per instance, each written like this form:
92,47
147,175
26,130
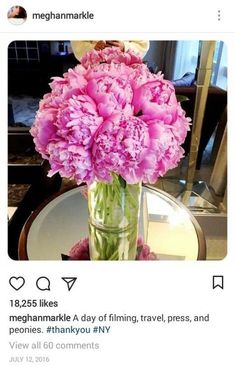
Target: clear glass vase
113,219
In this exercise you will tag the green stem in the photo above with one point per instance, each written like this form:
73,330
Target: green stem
113,212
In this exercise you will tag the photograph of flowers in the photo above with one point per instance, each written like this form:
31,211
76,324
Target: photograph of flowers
117,150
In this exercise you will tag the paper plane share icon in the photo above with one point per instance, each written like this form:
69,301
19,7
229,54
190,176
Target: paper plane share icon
70,281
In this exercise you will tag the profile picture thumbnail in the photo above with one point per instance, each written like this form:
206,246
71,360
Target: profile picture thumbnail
17,15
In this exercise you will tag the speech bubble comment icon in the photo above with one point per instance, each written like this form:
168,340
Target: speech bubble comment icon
43,283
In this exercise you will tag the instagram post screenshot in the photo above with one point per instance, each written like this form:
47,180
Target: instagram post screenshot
116,184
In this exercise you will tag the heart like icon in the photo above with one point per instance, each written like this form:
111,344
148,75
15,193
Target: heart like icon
17,282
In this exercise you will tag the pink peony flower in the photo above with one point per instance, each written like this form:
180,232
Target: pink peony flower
73,79
141,75
44,130
78,120
71,161
111,94
143,251
110,114
109,55
80,251
92,58
153,96
164,151
120,146
50,101
114,54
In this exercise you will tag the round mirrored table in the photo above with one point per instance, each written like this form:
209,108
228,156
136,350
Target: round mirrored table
166,225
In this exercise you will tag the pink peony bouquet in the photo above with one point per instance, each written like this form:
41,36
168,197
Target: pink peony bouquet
112,124
110,115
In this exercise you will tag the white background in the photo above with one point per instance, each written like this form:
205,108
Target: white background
181,288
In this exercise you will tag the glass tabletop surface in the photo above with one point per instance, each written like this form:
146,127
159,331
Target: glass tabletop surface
165,224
